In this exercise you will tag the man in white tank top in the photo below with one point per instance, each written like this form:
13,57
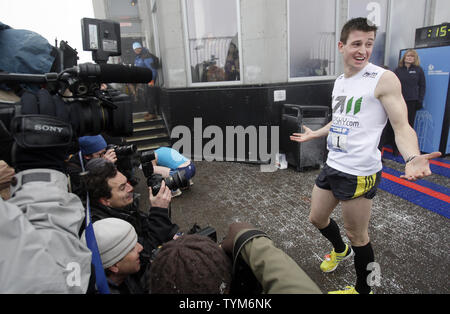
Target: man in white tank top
364,97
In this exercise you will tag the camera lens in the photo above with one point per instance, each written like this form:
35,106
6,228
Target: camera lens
147,156
126,150
94,118
178,180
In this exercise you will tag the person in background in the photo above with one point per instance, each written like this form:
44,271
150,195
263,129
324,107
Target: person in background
412,78
142,92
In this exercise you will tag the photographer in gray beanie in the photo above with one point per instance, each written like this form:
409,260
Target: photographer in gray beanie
119,252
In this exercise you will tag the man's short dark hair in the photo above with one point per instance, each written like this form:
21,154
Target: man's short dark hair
99,172
192,264
357,24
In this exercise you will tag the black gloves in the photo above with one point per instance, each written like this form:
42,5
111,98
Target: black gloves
42,133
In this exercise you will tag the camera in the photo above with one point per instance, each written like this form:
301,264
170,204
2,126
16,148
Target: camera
125,150
92,108
173,182
209,232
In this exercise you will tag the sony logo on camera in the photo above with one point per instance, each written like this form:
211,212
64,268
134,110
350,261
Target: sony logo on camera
48,128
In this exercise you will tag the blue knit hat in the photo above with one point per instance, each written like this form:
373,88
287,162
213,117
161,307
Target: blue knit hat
91,144
136,45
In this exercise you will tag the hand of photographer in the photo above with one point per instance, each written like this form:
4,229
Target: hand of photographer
6,175
110,155
233,230
163,198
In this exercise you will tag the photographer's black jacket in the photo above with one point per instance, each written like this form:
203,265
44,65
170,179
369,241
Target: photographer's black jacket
153,229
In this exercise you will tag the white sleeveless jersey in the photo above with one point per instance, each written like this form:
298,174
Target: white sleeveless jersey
358,121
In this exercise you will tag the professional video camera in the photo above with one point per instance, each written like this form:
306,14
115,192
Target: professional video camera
178,180
93,109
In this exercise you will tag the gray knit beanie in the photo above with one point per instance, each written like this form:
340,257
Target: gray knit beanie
115,239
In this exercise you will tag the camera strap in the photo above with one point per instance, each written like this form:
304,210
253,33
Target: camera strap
100,277
243,239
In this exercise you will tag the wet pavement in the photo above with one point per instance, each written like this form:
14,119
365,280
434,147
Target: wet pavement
411,244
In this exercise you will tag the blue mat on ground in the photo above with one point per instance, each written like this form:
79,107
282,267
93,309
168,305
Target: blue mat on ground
419,198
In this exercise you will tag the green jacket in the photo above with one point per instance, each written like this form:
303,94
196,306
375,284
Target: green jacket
274,269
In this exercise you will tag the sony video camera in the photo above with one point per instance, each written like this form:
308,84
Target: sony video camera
93,107
173,182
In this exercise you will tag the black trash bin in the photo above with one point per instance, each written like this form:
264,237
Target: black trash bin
309,154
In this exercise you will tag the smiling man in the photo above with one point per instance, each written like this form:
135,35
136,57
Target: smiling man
112,196
364,97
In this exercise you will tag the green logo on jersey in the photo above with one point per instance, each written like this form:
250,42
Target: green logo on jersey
341,105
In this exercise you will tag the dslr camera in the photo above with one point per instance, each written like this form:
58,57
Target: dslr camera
176,181
122,151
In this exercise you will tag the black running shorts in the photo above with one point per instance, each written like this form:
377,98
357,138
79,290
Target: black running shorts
346,186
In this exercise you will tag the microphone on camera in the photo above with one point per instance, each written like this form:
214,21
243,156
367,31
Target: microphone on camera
114,73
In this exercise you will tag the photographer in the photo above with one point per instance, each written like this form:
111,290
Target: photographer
90,147
120,252
41,250
206,268
112,196
40,223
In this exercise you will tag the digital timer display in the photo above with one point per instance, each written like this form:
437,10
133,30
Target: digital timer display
435,32
437,35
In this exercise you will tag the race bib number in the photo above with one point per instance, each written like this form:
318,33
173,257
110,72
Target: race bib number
337,139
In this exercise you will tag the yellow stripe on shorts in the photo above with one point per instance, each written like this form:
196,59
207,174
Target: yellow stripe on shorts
364,184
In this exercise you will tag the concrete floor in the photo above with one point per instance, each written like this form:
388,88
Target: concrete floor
411,244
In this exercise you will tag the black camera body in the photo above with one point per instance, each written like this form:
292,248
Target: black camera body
208,231
174,182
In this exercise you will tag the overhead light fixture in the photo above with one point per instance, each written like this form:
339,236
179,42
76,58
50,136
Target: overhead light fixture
133,2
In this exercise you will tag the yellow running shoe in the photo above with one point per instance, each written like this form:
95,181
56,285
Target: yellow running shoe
333,259
347,290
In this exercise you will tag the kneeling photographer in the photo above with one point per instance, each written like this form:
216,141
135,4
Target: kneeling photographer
247,262
168,162
112,196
